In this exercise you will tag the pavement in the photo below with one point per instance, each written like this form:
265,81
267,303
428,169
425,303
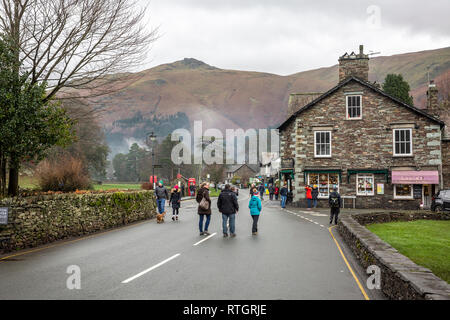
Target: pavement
295,256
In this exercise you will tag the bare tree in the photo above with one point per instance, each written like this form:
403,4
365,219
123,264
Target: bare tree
77,44
76,47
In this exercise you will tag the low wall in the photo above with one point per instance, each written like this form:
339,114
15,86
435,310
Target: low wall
401,278
39,220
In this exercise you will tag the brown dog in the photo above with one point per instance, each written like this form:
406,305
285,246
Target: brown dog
160,217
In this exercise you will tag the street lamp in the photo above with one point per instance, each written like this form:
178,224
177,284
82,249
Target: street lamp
152,138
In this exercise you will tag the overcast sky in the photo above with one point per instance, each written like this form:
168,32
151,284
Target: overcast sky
289,36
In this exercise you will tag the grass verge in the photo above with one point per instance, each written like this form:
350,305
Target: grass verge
426,242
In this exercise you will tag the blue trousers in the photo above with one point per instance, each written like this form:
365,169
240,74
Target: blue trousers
208,220
283,201
232,218
161,205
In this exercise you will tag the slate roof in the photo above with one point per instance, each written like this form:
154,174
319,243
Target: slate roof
364,83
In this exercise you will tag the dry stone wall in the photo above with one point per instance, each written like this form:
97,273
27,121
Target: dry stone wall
34,221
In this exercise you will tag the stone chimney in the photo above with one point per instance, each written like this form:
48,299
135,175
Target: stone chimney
299,100
432,99
353,64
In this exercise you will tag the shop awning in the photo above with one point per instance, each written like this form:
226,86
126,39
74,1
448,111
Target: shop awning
415,177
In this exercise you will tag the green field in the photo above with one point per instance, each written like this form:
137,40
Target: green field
118,186
426,242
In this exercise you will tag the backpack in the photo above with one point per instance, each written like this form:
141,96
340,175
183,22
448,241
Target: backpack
204,204
334,201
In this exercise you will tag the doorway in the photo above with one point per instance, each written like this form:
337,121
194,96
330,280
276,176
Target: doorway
426,196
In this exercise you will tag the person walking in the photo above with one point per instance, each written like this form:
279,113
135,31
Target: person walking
255,207
271,192
335,205
192,190
277,193
284,194
309,196
204,208
183,193
161,196
251,189
228,206
175,201
261,190
315,195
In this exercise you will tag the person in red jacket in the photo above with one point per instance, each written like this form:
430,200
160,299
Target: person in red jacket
277,192
309,196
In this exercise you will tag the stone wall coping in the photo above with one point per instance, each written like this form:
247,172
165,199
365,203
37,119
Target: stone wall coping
404,272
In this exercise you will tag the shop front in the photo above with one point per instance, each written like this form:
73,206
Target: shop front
413,185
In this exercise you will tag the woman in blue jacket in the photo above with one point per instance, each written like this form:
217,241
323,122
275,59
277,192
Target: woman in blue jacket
255,207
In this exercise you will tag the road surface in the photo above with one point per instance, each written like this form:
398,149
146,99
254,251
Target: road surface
294,257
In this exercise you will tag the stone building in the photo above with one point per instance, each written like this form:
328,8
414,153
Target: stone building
244,172
378,151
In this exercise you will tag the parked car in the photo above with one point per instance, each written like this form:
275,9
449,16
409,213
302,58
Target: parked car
441,201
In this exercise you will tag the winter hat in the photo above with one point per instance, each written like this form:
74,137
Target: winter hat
176,187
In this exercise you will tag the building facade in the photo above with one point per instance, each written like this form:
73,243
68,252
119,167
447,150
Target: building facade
376,150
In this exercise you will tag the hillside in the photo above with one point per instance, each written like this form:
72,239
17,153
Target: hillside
190,90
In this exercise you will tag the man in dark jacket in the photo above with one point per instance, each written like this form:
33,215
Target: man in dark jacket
284,193
161,196
315,195
228,206
261,190
335,205
271,192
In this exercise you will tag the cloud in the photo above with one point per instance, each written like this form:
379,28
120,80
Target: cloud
289,36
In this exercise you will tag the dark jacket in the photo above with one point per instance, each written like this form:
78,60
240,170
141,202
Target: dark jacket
175,199
161,193
284,192
337,195
271,189
227,202
261,189
203,192
315,193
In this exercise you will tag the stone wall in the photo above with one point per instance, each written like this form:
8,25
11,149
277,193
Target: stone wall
35,221
401,278
361,144
446,163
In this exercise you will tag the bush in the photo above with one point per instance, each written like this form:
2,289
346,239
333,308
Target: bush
64,174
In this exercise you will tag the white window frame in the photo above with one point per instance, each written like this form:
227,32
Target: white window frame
315,144
365,176
361,106
394,143
411,197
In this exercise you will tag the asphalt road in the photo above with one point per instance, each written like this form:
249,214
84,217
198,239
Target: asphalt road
293,257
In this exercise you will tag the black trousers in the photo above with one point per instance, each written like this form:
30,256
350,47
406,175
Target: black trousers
335,215
255,223
176,211
271,196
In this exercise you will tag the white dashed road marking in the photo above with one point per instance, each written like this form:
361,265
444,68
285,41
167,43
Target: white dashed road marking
207,238
150,269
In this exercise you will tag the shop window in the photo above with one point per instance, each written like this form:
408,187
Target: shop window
403,191
326,183
403,142
354,107
365,185
322,144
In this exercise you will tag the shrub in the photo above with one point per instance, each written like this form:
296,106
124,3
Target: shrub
64,174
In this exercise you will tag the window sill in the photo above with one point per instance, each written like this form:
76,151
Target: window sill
323,157
403,199
403,156
353,119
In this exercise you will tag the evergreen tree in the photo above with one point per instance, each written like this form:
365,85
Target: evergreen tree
396,86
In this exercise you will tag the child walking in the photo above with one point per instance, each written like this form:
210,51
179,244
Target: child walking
255,207
175,201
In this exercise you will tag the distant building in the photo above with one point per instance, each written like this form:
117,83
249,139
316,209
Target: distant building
366,143
243,171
